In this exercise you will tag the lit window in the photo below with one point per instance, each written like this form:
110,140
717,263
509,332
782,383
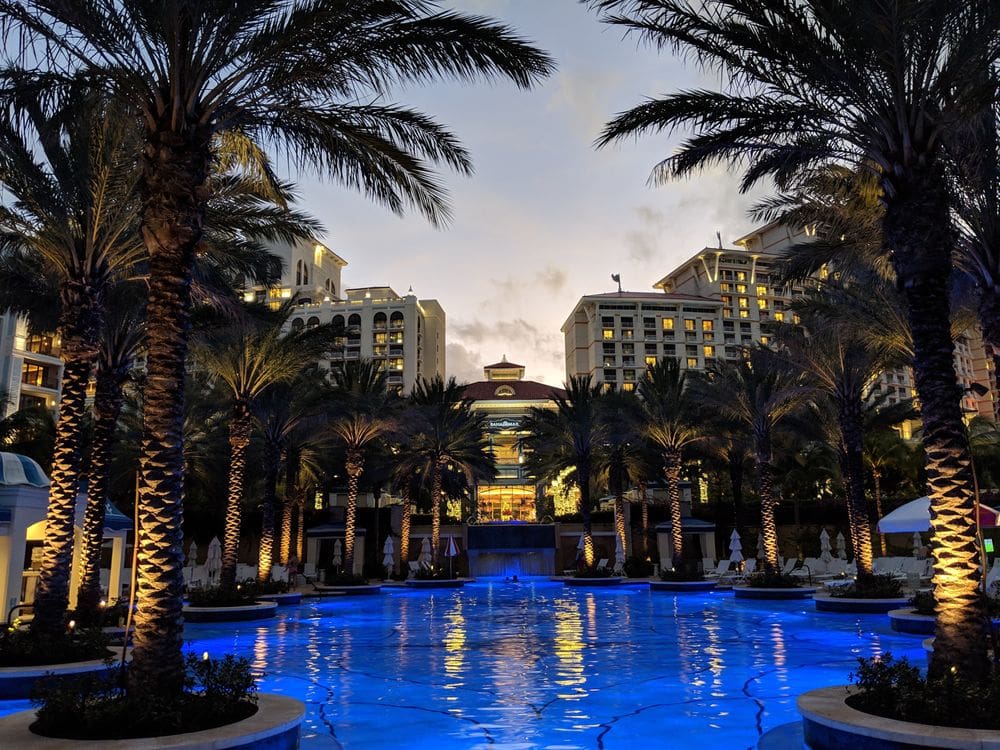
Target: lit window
764,340
796,320
609,333
709,351
723,287
741,276
727,313
761,303
744,302
628,387
650,361
779,316
668,324
727,300
708,325
741,288
688,324
708,336
761,290
692,363
744,313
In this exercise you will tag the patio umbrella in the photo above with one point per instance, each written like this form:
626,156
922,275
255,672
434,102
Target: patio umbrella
916,516
760,547
619,555
337,548
841,546
425,552
735,548
451,551
213,562
824,546
579,547
918,542
387,552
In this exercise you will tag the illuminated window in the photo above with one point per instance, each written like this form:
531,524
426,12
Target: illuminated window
609,333
744,302
708,325
628,387
764,340
727,300
709,351
688,324
727,313
668,324
741,276
779,316
741,288
761,303
692,363
650,361
744,313
761,290
708,336
796,320
626,333
723,287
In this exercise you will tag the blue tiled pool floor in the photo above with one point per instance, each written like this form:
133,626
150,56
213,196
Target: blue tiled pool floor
539,665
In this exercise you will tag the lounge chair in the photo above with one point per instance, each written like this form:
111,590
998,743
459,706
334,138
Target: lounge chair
994,575
414,566
722,568
789,566
602,563
811,568
707,565
749,567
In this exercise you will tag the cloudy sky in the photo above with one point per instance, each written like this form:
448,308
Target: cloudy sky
545,218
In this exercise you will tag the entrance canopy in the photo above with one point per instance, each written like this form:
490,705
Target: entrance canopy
916,516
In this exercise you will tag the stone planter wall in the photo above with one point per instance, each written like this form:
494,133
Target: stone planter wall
753,592
17,682
246,613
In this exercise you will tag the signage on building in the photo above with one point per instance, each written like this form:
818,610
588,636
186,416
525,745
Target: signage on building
503,423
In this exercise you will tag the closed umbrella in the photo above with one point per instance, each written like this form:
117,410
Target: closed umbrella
213,562
841,546
918,543
425,552
337,549
387,553
619,555
451,552
735,547
824,547
760,547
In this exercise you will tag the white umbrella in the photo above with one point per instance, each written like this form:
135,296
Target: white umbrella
451,551
619,555
425,551
760,546
918,543
841,546
735,548
916,516
213,562
387,552
824,546
337,559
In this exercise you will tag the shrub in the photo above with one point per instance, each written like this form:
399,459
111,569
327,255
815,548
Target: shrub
637,567
220,597
870,586
593,572
342,578
216,692
769,580
681,575
253,587
374,570
22,648
111,615
923,602
895,689
434,574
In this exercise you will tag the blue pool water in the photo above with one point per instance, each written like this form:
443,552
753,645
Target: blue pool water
539,665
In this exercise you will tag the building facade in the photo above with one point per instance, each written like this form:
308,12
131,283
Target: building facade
403,335
30,367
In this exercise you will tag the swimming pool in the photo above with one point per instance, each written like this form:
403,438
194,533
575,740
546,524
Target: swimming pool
539,665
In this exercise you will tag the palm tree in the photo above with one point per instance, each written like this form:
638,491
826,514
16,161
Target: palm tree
194,69
248,357
570,437
671,425
445,433
363,419
757,392
884,450
623,458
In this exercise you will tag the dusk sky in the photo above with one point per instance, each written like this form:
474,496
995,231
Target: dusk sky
546,218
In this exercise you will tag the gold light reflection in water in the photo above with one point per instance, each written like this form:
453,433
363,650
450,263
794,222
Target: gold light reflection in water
568,648
454,647
261,646
778,637
591,616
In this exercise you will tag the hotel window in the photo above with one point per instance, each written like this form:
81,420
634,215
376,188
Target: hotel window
650,360
607,320
728,325
628,361
609,361
692,363
650,348
723,287
610,375
761,290
708,336
691,351
688,324
709,351
630,375
396,364
741,288
765,340
796,320
744,313
730,338
741,275
727,300
744,302
626,333
668,324
779,316
649,322
628,387
628,348
609,348
627,322
744,326
727,313
609,333
380,337
669,349
761,303
40,343
708,325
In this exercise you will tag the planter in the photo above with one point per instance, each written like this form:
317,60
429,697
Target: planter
283,600
676,586
243,613
17,682
848,605
906,620
609,581
828,723
371,588
753,592
275,726
448,583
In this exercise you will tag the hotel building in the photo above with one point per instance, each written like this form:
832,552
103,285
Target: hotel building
401,334
505,399
30,367
711,305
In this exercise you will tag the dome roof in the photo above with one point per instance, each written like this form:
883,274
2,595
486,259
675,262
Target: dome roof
16,469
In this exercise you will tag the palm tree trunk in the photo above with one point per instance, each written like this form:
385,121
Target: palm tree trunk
174,170
52,594
918,234
436,513
107,408
583,482
644,505
877,481
300,529
851,421
354,467
404,532
672,468
765,491
620,520
265,556
239,441
285,546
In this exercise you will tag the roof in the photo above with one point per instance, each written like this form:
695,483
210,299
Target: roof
665,296
518,390
504,365
16,469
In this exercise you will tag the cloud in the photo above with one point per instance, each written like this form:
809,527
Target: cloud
643,242
552,278
465,364
474,343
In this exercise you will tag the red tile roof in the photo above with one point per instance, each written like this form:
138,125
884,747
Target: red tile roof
524,390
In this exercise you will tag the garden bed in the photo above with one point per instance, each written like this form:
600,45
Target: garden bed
830,724
857,605
236,613
18,682
275,725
